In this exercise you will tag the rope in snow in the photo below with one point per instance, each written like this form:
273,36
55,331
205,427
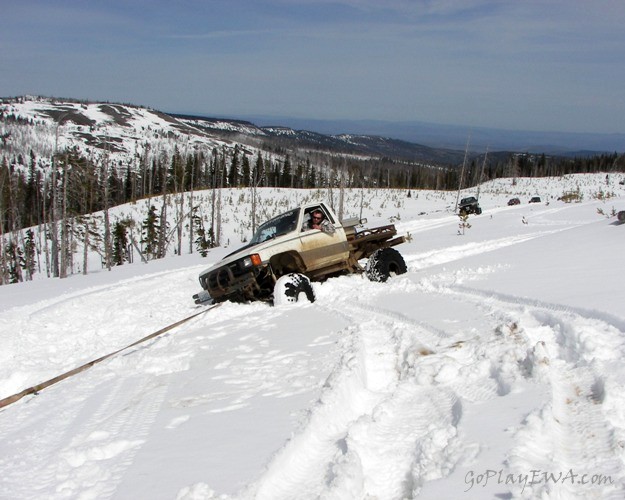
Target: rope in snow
35,389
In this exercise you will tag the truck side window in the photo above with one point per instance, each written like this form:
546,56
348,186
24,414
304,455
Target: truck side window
317,218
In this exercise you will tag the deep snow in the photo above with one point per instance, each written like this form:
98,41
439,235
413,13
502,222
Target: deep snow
492,369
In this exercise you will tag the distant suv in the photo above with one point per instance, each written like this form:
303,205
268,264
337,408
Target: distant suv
535,199
514,201
469,205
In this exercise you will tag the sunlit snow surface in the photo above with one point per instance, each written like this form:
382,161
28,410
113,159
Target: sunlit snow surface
492,369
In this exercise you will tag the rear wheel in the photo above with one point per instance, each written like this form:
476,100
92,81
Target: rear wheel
291,288
384,263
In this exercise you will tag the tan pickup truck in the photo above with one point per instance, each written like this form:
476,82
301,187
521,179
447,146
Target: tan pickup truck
287,252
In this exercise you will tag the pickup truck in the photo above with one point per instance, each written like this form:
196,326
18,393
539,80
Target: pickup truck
285,255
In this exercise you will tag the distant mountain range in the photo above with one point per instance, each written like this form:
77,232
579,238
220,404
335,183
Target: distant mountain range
354,144
456,136
126,132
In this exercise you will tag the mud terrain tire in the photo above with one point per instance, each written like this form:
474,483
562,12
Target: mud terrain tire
291,288
384,263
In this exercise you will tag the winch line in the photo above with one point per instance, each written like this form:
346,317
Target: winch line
35,389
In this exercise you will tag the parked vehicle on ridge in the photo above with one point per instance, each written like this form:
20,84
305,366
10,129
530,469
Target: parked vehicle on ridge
469,205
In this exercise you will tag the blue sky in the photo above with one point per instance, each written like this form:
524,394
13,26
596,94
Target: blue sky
553,65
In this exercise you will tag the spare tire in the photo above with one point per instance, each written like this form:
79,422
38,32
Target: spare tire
291,288
384,263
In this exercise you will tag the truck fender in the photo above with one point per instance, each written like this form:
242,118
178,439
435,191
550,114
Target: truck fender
287,262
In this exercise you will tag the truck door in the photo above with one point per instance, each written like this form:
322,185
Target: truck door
321,249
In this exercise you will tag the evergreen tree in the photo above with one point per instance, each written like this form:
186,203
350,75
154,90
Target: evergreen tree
234,176
120,243
286,178
245,171
129,185
204,239
29,254
31,196
258,172
150,233
14,262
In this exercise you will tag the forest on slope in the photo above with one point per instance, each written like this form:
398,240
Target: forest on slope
64,164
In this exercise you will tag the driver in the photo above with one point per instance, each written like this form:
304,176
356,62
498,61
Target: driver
318,221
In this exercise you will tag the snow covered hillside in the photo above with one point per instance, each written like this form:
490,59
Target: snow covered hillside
492,369
124,132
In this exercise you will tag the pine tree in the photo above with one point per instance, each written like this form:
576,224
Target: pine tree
245,171
14,261
286,178
31,197
120,243
150,233
204,239
234,176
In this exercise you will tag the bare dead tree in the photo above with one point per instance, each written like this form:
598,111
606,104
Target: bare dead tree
108,244
53,234
464,165
64,223
191,181
162,240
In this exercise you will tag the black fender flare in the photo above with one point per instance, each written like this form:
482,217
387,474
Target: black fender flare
287,262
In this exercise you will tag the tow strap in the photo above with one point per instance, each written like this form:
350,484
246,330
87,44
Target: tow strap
35,389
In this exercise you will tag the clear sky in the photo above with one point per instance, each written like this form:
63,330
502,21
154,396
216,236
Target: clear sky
556,65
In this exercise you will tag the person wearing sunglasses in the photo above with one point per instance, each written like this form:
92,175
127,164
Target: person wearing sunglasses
318,221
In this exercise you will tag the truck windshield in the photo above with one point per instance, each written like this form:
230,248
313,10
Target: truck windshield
282,224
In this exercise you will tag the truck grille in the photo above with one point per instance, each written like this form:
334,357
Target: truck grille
226,279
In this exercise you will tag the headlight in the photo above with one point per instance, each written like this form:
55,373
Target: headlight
252,260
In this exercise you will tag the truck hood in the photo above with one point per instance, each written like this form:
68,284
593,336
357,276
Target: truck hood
251,248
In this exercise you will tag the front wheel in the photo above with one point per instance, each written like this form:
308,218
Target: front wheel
291,288
384,263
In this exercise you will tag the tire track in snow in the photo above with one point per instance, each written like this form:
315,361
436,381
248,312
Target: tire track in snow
387,419
356,397
581,429
417,262
41,331
107,432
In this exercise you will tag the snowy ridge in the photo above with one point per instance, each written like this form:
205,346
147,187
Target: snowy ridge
127,133
123,132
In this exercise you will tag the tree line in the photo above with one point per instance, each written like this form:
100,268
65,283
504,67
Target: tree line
69,194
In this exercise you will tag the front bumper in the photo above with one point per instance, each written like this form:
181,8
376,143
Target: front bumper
230,281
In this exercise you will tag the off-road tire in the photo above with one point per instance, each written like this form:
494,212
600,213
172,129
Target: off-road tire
292,288
384,263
